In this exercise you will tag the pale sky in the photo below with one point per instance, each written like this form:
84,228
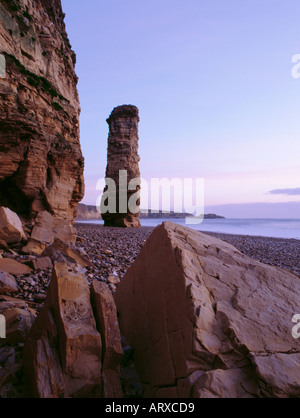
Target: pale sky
214,86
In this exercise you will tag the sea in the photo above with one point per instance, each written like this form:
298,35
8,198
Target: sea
275,228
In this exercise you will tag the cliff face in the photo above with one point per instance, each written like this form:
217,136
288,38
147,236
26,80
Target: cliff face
87,212
41,164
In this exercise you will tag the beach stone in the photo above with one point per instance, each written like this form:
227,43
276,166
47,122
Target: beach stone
113,280
208,321
107,323
34,247
8,283
62,354
18,324
61,251
19,319
28,280
42,263
48,228
3,245
122,154
13,267
11,230
112,287
40,297
43,229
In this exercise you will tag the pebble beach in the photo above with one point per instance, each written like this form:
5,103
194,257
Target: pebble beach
113,250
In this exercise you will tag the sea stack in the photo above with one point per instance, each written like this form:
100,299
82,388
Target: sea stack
120,206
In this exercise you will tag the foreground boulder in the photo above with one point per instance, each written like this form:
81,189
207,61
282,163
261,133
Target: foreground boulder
64,350
40,263
46,230
8,283
107,323
13,267
60,251
11,230
206,321
18,321
62,355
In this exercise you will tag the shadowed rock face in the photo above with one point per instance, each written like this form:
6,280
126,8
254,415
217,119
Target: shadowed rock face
122,154
74,346
41,164
206,321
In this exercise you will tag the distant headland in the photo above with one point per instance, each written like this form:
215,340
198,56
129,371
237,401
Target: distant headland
86,212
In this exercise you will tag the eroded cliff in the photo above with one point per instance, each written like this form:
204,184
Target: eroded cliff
41,163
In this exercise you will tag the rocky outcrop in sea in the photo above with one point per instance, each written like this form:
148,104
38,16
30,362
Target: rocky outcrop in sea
122,157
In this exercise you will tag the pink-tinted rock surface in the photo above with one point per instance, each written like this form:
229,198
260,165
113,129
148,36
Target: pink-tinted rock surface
41,164
74,347
206,321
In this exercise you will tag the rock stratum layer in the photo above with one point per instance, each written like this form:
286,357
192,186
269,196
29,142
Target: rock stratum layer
87,212
206,321
41,164
122,155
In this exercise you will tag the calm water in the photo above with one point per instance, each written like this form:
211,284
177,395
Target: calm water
277,228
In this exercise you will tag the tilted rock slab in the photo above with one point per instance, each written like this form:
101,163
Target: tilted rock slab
41,163
107,323
11,229
62,354
64,351
13,267
8,283
122,155
206,321
18,321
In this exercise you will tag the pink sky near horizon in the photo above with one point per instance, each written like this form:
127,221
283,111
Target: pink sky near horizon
214,86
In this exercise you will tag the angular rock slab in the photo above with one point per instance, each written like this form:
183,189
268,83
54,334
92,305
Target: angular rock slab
18,320
34,247
18,324
107,323
206,321
13,267
41,263
59,250
62,354
47,228
11,230
8,283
